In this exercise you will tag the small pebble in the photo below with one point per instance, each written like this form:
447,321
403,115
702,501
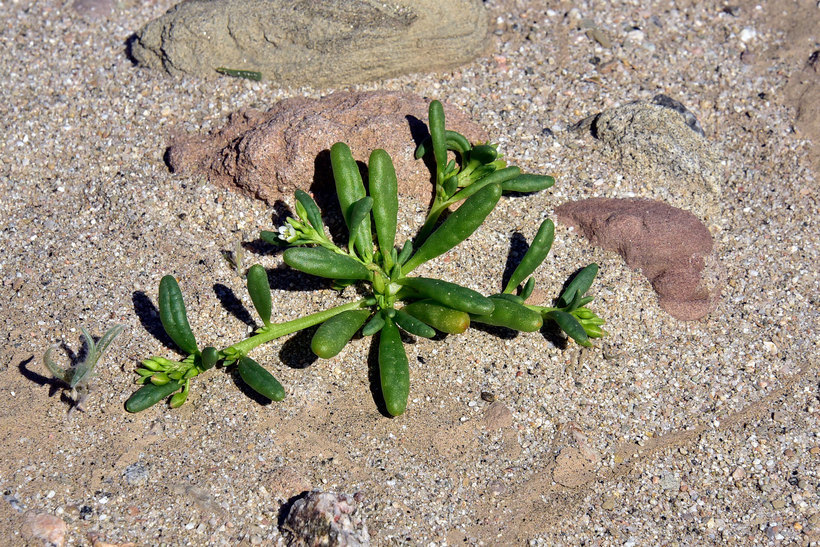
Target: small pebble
747,35
772,532
635,36
136,473
497,488
600,37
45,527
670,482
326,518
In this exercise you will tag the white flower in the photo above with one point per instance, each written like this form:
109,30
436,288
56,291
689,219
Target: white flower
288,233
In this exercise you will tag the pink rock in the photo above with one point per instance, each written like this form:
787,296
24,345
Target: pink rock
44,527
267,154
670,246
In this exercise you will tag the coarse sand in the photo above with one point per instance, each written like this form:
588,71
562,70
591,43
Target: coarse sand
666,432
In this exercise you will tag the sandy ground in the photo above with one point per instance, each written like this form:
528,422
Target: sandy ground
667,432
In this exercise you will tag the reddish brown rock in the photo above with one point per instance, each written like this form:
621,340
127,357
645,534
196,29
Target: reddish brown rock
267,154
670,246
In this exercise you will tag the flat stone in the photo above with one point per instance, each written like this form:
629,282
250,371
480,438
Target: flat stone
313,42
267,155
670,246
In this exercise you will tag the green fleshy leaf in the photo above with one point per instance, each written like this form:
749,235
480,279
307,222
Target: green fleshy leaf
314,216
579,284
570,326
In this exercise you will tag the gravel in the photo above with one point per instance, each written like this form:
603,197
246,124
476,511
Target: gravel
93,219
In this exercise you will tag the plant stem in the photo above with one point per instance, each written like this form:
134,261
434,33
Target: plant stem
281,329
464,174
540,309
430,223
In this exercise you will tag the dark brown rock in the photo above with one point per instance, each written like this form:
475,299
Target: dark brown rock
267,154
670,246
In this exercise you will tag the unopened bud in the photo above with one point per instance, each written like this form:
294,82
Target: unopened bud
160,379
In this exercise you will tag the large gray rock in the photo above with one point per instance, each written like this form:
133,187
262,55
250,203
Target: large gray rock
314,42
662,153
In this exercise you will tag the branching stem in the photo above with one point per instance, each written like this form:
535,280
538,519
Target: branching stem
282,329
